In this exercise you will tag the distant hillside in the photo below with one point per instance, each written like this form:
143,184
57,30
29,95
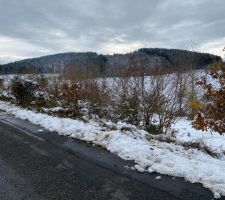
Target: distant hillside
108,65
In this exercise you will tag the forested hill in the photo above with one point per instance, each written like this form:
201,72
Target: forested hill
149,58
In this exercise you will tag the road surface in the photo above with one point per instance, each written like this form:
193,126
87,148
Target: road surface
34,168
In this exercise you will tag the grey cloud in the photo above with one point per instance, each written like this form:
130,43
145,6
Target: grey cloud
50,26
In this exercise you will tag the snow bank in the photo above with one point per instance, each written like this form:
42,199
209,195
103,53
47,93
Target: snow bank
152,156
212,140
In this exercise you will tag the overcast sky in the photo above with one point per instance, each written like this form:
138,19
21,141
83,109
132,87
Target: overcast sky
31,28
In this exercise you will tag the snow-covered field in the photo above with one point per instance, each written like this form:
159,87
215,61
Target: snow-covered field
174,159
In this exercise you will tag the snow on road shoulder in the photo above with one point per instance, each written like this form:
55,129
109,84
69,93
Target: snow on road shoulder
211,140
152,156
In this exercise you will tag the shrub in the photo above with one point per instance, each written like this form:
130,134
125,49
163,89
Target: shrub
127,98
23,90
153,129
128,109
212,116
160,106
42,82
53,91
194,106
94,92
70,95
1,84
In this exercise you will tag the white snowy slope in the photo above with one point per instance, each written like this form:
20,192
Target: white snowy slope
152,156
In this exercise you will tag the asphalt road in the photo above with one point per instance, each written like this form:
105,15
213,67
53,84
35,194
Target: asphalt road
33,169
54,167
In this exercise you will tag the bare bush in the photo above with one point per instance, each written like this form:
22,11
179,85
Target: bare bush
83,90
95,92
163,102
156,100
69,95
